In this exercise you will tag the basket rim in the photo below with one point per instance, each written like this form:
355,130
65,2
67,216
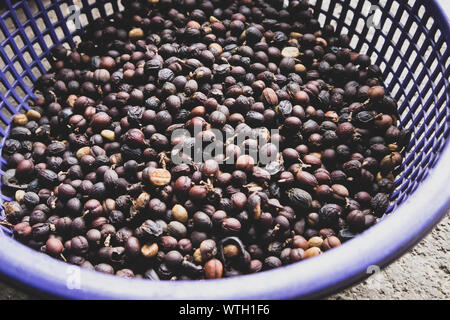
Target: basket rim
340,267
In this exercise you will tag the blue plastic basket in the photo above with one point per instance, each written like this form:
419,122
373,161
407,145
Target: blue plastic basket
412,48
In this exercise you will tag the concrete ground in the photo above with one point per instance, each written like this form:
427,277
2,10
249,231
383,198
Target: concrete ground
423,273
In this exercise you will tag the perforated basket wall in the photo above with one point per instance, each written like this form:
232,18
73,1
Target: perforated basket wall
407,43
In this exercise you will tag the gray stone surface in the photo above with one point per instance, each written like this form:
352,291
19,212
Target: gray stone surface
9,293
423,273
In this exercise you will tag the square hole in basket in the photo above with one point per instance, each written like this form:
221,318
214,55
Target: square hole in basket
396,36
48,4
413,29
404,111
37,48
380,43
383,3
13,102
20,91
21,15
360,25
46,64
364,48
430,23
418,70
354,41
404,18
19,42
411,3
65,9
36,72
344,30
427,95
95,13
387,25
10,24
27,57
40,23
3,87
322,18
76,39
412,58
389,52
443,48
9,51
423,82
48,40
337,10
325,5
71,25
415,113
422,38
27,81
71,8
441,108
409,86
29,33
2,63
84,20
437,35
394,8
374,56
370,35
52,16
421,11
395,89
121,7
434,64
2,36
18,67
109,9
428,109
405,47
6,112
395,94
332,22
32,6
441,93
9,77
59,33
349,17
365,9
389,78
426,53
